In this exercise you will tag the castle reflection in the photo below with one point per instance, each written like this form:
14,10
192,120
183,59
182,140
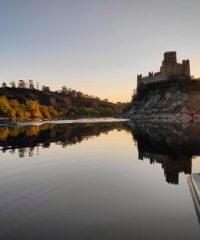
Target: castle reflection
172,146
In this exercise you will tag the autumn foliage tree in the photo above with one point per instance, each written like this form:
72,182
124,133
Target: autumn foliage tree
31,110
26,102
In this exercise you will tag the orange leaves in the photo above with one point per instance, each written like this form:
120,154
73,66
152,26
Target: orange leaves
4,132
31,110
34,108
5,107
32,131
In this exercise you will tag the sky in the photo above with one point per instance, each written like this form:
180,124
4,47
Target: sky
95,46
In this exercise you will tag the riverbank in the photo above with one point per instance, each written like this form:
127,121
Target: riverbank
63,121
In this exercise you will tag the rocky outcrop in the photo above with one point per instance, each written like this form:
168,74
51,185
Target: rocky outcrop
170,101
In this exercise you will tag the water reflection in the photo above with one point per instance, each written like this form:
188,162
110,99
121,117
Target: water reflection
172,146
25,140
97,189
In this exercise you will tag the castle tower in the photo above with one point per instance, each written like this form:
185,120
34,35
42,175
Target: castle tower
170,57
170,67
186,68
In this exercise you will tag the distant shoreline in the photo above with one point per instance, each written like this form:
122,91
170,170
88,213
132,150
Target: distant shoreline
61,121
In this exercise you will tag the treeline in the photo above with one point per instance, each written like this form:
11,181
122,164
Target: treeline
25,101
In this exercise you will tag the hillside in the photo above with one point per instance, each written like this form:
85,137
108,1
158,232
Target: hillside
171,100
26,103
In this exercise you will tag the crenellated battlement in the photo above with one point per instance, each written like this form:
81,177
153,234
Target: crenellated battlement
169,68
148,79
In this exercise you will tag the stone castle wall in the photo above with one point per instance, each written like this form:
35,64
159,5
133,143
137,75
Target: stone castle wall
169,68
151,78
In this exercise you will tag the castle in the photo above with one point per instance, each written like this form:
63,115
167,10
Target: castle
169,68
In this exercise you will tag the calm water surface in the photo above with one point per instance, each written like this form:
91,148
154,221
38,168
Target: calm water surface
98,181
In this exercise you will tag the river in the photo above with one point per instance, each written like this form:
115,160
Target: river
98,180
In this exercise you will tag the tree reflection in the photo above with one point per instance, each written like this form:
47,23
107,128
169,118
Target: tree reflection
28,139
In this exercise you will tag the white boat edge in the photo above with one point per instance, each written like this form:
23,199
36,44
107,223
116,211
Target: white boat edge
194,186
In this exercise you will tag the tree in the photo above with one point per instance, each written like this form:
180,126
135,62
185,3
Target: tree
4,85
31,84
34,108
13,84
64,89
21,84
79,94
45,89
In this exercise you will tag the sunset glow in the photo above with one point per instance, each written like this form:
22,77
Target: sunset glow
94,46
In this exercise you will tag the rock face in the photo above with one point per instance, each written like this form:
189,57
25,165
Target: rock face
173,100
